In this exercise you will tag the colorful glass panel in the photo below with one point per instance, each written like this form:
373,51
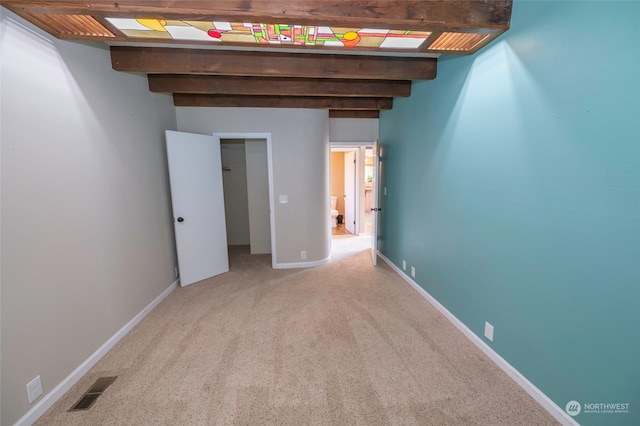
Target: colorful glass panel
269,34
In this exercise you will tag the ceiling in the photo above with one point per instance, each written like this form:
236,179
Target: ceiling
348,56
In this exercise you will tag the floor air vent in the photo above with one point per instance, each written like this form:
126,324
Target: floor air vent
91,396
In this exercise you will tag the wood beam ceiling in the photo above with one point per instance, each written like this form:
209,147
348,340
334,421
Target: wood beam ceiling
349,81
205,77
269,64
314,102
344,113
406,14
277,86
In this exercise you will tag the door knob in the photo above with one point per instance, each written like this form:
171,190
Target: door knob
180,219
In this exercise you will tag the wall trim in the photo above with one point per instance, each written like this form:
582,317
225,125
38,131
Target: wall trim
301,264
56,393
546,403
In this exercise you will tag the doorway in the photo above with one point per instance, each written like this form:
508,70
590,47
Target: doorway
246,193
198,199
344,202
352,186
249,173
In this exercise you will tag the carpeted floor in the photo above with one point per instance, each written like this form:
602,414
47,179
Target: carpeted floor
346,343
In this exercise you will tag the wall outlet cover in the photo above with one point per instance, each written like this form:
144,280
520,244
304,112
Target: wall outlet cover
488,331
413,271
303,254
404,265
34,389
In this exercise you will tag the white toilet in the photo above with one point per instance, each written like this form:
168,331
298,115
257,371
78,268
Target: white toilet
334,211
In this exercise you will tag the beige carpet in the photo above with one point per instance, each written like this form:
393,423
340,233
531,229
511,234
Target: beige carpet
345,343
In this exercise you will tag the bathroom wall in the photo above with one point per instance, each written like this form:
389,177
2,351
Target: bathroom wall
513,184
337,179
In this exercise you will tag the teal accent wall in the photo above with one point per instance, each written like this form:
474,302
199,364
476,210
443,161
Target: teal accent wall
513,187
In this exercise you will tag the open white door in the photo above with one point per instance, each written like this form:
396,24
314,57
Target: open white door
374,203
350,191
195,174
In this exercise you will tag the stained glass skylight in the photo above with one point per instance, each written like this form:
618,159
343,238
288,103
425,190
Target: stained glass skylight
269,34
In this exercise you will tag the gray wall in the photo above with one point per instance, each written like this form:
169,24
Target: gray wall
258,195
300,154
85,219
353,129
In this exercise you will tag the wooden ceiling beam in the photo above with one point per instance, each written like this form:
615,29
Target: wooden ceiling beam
332,103
346,113
277,86
392,14
155,60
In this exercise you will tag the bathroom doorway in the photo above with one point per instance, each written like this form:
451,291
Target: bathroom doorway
351,189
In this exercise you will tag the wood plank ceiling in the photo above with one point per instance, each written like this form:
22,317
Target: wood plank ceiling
350,57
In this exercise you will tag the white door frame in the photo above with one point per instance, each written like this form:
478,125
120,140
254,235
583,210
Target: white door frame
376,202
272,219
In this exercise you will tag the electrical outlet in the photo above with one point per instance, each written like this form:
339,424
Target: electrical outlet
284,199
488,331
34,389
303,254
385,191
404,265
175,270
413,271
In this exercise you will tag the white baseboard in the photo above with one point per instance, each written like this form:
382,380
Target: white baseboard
301,264
56,393
553,409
